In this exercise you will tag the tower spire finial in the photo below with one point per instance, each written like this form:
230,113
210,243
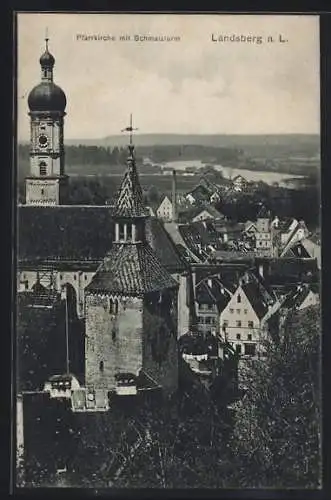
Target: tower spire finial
46,37
129,129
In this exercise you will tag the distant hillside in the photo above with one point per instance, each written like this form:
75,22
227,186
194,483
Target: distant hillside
217,140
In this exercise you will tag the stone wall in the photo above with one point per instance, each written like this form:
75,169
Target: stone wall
160,349
115,340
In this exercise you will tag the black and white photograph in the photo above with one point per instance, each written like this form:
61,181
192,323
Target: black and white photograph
168,260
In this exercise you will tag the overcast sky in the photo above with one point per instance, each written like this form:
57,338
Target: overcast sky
191,86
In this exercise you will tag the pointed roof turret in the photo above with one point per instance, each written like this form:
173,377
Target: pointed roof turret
129,199
132,266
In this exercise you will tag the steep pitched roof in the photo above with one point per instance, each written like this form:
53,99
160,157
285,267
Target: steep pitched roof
214,294
200,192
239,177
296,297
129,199
257,301
73,233
131,270
163,245
82,234
210,209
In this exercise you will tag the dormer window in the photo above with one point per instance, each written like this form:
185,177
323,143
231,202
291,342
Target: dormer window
238,299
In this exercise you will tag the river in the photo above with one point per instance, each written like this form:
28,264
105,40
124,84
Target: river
249,175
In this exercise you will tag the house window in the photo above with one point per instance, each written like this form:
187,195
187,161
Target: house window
208,320
113,335
238,336
231,311
42,192
245,311
238,323
238,299
249,336
210,307
238,311
85,277
238,348
250,324
250,349
61,276
225,323
200,319
42,168
45,73
101,366
26,285
75,277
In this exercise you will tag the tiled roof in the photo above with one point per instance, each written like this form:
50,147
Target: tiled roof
214,294
297,250
295,298
77,233
40,297
163,246
129,199
131,269
195,211
290,269
253,293
233,255
64,232
200,192
284,224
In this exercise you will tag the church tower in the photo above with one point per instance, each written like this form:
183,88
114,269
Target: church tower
47,182
131,302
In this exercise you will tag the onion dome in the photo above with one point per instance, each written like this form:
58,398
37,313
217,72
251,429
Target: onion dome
46,96
47,59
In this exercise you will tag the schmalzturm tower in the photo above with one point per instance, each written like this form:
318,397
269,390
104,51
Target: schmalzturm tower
47,182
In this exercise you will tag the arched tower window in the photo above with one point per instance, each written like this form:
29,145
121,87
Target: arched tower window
121,232
113,306
42,168
101,366
129,232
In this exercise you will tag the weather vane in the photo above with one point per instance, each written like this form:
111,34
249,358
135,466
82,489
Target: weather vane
129,129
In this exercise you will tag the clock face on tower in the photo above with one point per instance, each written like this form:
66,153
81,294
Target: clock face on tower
43,141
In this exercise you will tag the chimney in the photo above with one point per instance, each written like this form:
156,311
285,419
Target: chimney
174,197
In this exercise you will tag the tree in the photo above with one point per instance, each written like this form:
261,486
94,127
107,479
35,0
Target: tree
276,440
153,195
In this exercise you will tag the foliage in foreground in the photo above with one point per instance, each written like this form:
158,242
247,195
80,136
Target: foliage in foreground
277,437
271,440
